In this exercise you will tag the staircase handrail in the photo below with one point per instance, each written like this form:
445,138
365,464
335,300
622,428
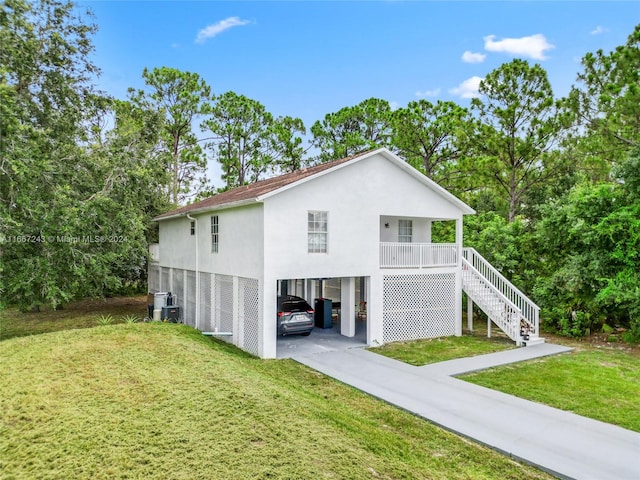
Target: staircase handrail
531,312
490,286
505,322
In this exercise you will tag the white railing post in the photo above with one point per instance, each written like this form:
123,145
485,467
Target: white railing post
529,311
418,255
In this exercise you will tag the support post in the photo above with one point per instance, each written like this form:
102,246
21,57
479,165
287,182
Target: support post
375,306
347,306
488,327
458,278
469,313
268,323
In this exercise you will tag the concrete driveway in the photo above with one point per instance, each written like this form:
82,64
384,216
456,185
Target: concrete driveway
319,341
561,443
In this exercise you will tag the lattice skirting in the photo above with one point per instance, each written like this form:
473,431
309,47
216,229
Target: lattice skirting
153,278
226,304
249,313
418,306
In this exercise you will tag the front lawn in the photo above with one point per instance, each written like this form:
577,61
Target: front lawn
433,350
599,383
161,401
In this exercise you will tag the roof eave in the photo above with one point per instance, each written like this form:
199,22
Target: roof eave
210,208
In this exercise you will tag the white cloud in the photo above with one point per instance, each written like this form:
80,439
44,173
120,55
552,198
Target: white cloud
468,88
533,46
428,93
470,57
212,30
598,30
394,105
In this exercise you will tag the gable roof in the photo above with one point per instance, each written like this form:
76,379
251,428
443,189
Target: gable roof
258,191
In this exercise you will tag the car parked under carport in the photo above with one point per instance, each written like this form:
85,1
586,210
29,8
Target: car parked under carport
295,316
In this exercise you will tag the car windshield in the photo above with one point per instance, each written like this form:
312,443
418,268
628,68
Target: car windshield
295,306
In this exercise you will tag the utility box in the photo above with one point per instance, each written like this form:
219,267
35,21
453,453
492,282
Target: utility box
171,314
322,315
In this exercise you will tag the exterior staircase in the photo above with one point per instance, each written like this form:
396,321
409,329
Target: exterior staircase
504,304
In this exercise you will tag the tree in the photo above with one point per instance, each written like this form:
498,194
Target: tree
589,247
75,199
182,97
45,92
352,130
521,123
241,129
433,138
286,143
606,103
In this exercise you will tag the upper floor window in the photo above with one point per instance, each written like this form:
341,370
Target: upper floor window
193,227
405,231
318,232
215,231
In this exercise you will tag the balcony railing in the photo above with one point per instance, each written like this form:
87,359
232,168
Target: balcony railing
418,255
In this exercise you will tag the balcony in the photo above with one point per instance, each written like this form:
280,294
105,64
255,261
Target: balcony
418,255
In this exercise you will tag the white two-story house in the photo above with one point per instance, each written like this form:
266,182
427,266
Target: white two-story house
365,220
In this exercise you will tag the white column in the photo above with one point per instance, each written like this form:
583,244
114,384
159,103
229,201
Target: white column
268,334
458,299
469,314
347,306
374,299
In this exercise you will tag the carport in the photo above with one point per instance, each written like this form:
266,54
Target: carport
349,319
321,340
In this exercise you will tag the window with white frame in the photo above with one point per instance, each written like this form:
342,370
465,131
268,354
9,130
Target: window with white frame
193,227
318,232
405,231
214,234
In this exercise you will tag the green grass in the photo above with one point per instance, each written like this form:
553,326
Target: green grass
158,401
603,384
423,352
82,314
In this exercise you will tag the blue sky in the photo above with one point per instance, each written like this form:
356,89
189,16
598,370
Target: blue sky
310,58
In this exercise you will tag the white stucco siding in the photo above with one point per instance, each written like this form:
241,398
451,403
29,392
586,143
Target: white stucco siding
240,237
355,197
177,245
240,250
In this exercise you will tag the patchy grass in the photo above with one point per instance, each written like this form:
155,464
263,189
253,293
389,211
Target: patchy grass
82,314
603,384
433,350
160,401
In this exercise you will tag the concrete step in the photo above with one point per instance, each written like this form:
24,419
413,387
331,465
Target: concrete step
533,341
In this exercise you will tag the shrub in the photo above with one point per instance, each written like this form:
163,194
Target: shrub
105,320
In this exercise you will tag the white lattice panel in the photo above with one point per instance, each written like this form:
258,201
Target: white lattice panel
153,279
165,279
418,306
190,299
249,310
224,304
206,321
177,288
